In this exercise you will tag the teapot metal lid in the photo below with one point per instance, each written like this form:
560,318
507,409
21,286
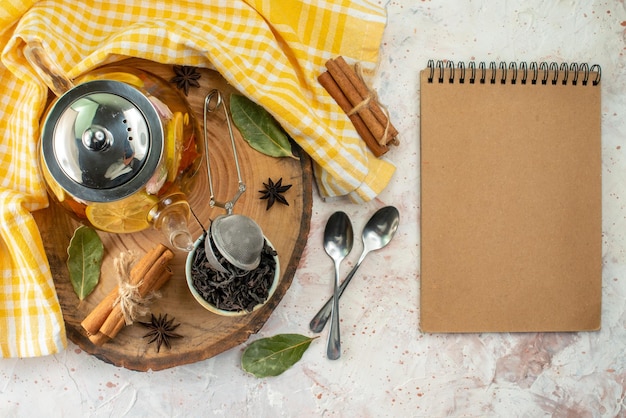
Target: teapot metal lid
102,140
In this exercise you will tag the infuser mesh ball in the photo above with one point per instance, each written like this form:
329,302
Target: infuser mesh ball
239,240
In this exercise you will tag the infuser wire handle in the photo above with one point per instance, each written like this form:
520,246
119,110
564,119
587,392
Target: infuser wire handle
208,108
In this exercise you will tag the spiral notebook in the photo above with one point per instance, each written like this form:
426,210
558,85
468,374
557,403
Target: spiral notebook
511,234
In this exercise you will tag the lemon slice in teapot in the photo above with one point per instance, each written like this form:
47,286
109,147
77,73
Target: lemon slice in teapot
127,215
124,77
174,144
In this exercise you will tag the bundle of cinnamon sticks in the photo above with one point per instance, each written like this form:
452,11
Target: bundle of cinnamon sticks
354,97
149,274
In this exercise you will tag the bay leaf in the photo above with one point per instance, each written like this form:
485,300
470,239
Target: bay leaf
85,253
273,355
259,128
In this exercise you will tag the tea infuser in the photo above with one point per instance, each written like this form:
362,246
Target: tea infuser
236,237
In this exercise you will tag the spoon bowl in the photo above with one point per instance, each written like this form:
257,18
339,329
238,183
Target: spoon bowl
377,233
338,240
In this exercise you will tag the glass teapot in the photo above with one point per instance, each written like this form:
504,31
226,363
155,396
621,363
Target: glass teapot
118,149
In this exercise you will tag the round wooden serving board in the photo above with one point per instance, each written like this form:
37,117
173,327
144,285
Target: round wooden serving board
204,334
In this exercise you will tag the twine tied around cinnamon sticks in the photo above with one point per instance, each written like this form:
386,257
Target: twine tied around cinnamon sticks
370,119
131,302
146,276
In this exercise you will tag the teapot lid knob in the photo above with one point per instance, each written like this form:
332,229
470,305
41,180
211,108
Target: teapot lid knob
97,138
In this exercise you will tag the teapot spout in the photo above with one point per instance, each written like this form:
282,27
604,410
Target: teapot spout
171,217
174,228
50,72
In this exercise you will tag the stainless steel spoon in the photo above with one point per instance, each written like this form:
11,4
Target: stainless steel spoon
377,233
338,240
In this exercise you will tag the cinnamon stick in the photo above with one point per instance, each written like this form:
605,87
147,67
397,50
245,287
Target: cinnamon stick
98,338
150,273
94,320
355,98
327,81
115,321
346,78
365,92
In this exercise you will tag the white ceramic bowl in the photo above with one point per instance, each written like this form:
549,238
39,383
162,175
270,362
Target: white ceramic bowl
210,307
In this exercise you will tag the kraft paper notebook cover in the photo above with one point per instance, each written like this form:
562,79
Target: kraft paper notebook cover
511,233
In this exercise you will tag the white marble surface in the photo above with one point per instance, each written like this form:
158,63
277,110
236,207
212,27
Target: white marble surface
389,368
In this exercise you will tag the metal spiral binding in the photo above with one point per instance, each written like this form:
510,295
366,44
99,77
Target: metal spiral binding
543,73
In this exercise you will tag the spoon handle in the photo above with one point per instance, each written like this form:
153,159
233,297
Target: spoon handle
318,322
333,351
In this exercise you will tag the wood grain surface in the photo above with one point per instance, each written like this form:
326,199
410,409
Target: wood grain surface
205,334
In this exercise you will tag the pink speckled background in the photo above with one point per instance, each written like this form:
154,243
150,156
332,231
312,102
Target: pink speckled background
389,368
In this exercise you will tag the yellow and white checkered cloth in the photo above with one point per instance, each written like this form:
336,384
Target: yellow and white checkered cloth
271,50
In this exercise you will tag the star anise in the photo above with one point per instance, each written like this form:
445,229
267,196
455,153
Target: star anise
274,192
161,330
185,77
